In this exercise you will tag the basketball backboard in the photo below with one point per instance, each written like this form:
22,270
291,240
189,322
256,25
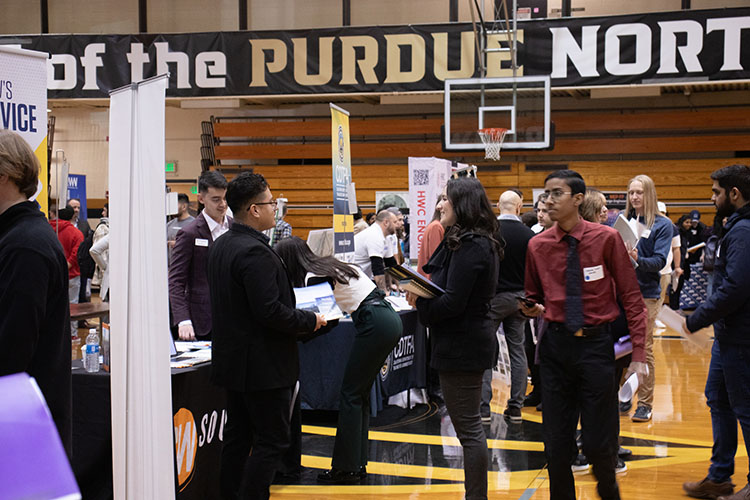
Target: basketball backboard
521,105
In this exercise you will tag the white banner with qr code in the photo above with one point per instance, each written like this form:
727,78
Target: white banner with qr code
427,178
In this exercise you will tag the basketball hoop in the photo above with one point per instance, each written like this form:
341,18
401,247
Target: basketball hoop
493,141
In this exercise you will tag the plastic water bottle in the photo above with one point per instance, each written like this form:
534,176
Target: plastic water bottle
92,351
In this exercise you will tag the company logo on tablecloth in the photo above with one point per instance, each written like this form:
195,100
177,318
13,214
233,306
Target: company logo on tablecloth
186,443
386,367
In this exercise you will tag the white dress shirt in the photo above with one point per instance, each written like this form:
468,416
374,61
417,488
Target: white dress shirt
216,228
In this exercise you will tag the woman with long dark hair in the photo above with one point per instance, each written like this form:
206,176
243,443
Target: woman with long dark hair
464,344
378,330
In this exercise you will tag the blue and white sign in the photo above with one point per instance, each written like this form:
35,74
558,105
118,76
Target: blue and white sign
77,189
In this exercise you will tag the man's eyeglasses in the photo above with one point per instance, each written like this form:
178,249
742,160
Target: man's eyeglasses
272,202
556,194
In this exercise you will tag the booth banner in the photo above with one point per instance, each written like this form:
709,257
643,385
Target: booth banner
77,189
660,47
427,178
406,364
23,105
341,162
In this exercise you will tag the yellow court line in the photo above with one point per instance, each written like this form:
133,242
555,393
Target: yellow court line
676,440
403,437
497,481
503,444
533,417
503,480
326,491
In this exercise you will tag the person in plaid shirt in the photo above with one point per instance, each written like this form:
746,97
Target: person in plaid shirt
283,228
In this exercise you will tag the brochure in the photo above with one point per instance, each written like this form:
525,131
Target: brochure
399,303
411,281
703,338
629,232
318,299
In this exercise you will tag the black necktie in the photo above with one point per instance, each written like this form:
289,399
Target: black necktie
573,288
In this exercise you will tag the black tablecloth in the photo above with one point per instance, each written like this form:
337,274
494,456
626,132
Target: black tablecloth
322,363
199,408
199,414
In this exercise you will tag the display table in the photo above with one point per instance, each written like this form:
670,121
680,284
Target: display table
199,415
90,310
322,362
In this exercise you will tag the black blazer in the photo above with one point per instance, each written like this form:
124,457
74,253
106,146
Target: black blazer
188,283
463,337
254,322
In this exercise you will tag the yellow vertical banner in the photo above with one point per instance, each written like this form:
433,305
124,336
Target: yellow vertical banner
341,162
23,105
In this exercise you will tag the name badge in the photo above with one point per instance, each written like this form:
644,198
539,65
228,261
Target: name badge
200,242
646,233
593,273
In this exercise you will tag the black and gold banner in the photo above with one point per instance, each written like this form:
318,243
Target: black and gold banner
669,47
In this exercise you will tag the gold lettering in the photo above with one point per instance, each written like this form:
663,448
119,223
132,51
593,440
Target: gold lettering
259,63
393,66
349,59
466,69
302,64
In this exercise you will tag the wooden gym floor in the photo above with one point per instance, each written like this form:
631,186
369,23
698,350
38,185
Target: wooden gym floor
414,456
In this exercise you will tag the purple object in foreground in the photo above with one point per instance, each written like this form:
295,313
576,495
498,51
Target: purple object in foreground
33,463
623,347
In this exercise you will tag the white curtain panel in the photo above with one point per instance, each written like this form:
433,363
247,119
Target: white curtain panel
142,442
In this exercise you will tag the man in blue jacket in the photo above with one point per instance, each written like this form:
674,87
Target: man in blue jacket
728,309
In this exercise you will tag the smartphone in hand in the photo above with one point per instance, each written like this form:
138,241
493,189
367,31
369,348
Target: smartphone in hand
528,303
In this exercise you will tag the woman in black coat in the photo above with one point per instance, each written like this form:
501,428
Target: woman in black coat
464,344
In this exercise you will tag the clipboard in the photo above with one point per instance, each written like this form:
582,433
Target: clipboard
411,281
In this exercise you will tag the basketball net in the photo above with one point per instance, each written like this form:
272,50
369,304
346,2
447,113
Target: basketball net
493,141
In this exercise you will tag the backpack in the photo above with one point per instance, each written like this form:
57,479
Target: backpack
85,262
709,253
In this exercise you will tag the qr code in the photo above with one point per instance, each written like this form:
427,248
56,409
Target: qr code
421,177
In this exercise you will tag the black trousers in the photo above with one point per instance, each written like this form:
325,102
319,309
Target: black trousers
257,421
578,374
530,349
378,331
463,393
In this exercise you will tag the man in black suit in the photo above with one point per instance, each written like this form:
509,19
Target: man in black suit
255,328
188,284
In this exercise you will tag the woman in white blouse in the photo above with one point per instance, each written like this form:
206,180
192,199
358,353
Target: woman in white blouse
378,329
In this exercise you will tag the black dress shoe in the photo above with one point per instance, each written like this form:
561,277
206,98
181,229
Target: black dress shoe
624,453
335,476
533,399
287,477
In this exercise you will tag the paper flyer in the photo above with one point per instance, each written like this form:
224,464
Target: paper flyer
318,299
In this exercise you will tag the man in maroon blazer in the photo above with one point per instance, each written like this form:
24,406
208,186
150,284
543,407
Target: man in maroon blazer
188,284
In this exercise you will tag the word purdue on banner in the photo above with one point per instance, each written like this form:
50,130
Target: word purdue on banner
23,104
653,48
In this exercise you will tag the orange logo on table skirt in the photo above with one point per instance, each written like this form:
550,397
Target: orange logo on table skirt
186,443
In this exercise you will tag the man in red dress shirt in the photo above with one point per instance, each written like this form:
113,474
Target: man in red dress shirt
575,273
